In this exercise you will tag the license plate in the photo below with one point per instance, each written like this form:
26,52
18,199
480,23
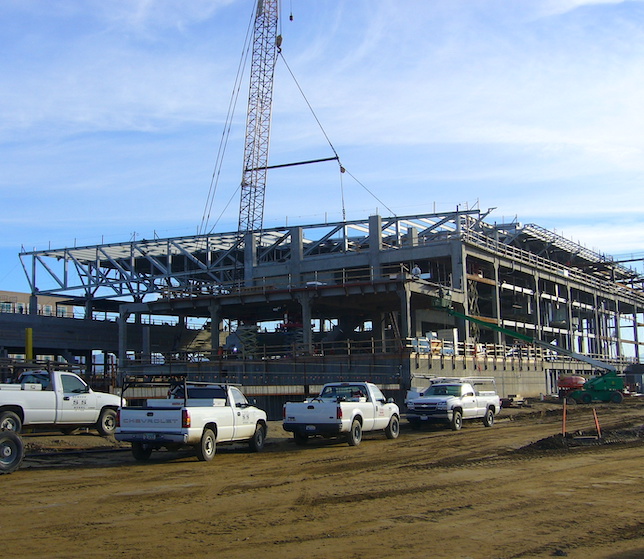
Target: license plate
149,436
423,417
310,427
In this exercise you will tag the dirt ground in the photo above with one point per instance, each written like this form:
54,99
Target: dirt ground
515,490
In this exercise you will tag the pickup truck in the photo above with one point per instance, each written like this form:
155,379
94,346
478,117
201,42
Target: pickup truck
197,415
342,409
56,398
453,400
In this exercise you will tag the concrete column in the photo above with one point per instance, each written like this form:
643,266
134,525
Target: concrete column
215,324
33,304
297,255
146,353
405,313
636,337
497,303
250,258
305,302
382,331
375,246
89,308
618,330
122,323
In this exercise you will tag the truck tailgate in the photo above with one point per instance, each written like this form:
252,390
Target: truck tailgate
150,420
311,412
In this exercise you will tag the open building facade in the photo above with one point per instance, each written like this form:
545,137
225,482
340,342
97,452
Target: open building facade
388,299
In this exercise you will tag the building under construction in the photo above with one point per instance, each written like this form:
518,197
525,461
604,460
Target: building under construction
386,298
391,299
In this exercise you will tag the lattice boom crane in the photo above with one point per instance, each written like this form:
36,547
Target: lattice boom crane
266,44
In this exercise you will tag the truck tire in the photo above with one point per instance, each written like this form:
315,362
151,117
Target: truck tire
141,451
488,418
12,452
457,420
571,401
586,398
9,421
617,397
106,422
355,434
393,429
300,438
207,447
259,438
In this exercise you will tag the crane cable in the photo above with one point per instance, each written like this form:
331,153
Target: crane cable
342,168
223,143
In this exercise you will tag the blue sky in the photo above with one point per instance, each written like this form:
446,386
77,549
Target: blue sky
112,112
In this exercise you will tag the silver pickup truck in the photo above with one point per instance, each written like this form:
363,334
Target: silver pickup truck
197,415
452,400
343,409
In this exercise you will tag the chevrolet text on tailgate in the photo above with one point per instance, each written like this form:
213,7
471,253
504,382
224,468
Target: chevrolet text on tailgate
197,415
344,409
452,400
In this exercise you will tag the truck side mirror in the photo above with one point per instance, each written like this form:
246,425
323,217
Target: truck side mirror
390,400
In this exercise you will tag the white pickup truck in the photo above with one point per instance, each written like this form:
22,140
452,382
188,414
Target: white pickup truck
452,400
56,398
342,409
197,415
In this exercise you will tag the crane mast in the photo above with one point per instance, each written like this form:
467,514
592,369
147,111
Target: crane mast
266,44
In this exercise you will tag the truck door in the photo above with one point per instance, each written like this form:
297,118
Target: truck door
76,402
468,401
244,420
381,417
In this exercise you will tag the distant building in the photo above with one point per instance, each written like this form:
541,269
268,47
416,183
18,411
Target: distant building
47,305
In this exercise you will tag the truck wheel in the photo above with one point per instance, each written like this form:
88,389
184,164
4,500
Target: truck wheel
571,401
141,451
207,447
355,435
300,438
10,421
393,429
617,397
106,422
488,418
12,452
586,398
257,442
457,420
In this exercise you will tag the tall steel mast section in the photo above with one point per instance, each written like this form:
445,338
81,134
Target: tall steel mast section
266,44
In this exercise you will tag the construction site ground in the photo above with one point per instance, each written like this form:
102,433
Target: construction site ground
518,489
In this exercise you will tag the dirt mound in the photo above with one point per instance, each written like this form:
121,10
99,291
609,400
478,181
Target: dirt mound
583,439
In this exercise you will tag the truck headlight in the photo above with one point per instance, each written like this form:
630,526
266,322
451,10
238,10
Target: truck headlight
441,406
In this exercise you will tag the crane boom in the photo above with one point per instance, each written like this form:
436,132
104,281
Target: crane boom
266,43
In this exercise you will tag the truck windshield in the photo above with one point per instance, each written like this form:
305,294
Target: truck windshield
444,390
345,392
205,392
